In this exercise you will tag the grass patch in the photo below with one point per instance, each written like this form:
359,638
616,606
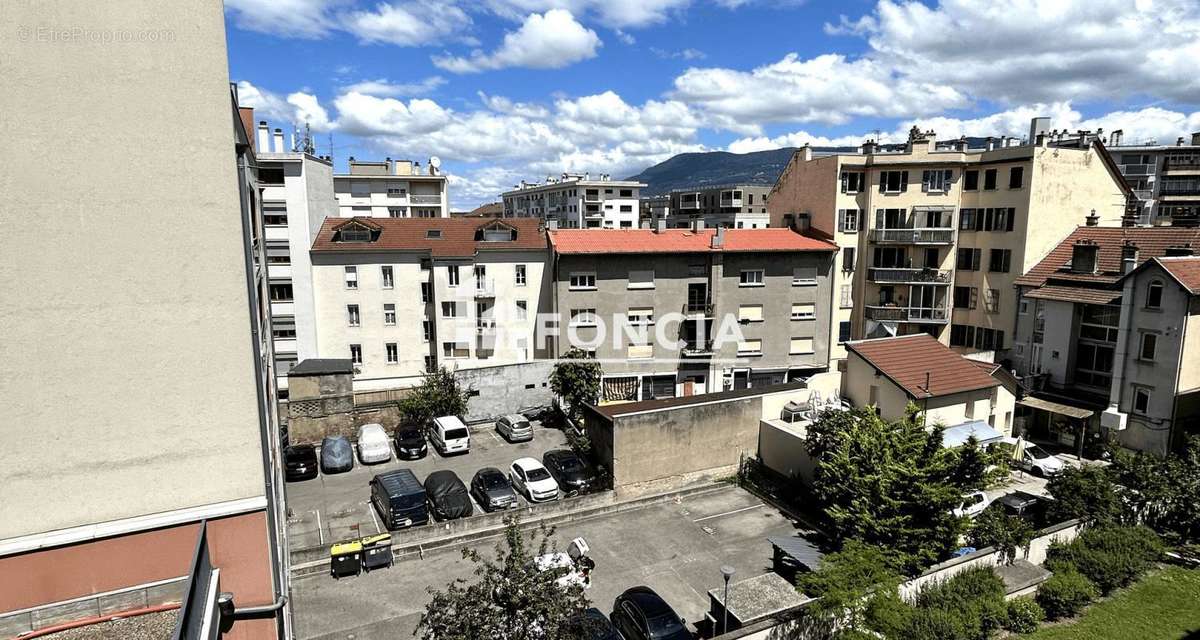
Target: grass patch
1161,606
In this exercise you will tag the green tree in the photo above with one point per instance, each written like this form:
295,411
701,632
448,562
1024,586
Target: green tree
847,584
510,598
576,380
1162,492
439,394
1086,492
890,484
1007,534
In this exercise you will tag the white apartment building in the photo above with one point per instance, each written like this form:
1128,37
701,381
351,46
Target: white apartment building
392,189
297,196
737,206
402,296
576,201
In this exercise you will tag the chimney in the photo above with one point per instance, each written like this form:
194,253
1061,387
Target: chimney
278,147
1092,219
552,225
1038,127
1196,138
698,225
1114,139
660,225
1129,257
1179,142
718,238
644,224
990,143
803,223
264,137
806,152
869,147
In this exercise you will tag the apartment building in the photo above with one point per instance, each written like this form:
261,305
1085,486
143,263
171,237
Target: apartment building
137,360
297,196
677,312
392,189
1108,338
402,296
655,208
1165,179
730,206
933,235
576,201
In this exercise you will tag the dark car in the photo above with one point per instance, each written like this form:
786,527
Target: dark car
1023,504
337,456
640,614
410,443
300,462
492,490
570,471
448,496
592,625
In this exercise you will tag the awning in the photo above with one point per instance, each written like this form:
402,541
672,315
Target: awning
1055,407
958,435
798,549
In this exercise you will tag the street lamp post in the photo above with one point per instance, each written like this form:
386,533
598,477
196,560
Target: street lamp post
727,573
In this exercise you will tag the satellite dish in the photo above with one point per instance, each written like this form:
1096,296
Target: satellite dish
435,162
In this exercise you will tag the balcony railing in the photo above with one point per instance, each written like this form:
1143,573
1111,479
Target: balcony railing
731,202
1143,194
936,315
1137,169
485,325
698,308
1164,190
591,197
424,199
1187,164
689,204
696,348
906,275
931,235
485,287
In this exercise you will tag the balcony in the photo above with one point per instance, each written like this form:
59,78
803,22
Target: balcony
275,233
287,308
928,235
1137,169
424,199
930,315
485,326
1186,163
591,196
279,271
1179,189
702,309
692,203
484,287
731,199
899,275
1143,194
696,348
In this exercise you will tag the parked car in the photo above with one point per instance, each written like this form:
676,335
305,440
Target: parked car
373,445
337,456
300,462
1023,503
450,435
640,614
592,624
1039,462
570,471
532,479
447,495
399,498
410,443
972,505
492,490
515,428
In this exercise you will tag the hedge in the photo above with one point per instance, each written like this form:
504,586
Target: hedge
1065,594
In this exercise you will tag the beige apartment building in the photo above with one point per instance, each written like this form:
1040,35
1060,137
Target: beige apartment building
392,189
932,235
402,296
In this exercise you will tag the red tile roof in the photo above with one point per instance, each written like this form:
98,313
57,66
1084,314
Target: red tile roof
1152,242
583,241
906,360
458,235
1080,294
1185,270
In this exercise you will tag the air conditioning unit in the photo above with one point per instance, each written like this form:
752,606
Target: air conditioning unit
1113,418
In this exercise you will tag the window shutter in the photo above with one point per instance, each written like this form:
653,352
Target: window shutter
879,218
925,180
979,219
858,219
976,255
949,175
999,340
1012,213
882,182
845,178
842,212
903,181
988,223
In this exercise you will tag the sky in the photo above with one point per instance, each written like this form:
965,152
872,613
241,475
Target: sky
509,90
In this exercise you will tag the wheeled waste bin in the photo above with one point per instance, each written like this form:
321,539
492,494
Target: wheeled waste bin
345,559
377,551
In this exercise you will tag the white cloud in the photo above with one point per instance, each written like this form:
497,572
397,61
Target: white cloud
307,109
625,37
408,24
385,88
287,18
682,54
545,41
619,14
501,104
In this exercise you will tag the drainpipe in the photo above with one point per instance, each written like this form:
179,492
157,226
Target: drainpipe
1117,421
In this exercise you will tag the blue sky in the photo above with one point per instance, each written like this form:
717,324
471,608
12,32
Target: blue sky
504,90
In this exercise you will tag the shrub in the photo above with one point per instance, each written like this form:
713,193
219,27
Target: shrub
1110,557
968,606
937,624
995,528
1024,615
1065,594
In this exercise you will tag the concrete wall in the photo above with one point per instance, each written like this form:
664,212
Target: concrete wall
505,389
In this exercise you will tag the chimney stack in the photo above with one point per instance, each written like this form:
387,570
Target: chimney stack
806,152
718,238
264,137
278,148
1114,138
1038,127
660,225
1129,257
1092,219
552,225
1196,138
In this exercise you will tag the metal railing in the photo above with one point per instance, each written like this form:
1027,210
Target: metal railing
424,199
908,314
905,275
698,308
929,235
696,348
484,287
1137,169
1177,190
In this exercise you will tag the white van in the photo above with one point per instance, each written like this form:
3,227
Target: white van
450,435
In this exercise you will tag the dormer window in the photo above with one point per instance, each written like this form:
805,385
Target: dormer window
496,232
433,234
1084,258
1178,252
355,231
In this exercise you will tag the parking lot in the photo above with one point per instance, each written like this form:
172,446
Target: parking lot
676,547
336,507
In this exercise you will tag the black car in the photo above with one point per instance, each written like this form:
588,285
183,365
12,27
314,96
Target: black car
300,462
593,625
410,443
492,490
570,471
640,614
1023,504
337,455
448,496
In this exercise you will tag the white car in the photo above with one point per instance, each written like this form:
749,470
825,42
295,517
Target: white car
972,505
532,479
1040,462
373,444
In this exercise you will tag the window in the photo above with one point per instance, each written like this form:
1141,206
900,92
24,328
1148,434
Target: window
751,278
433,234
522,310
1149,346
971,180
1023,308
452,275
852,181
455,350
583,317
1154,295
395,192
893,181
936,180
1141,400
386,276
520,275
449,309
352,316
626,193
583,281
843,331
848,220
989,179
396,212
389,314
991,300
968,259
280,292
356,353
640,316
750,313
275,217
801,345
846,297
749,348
803,311
283,332
641,279
429,364
1000,260
393,354
804,276
351,277
966,219
426,330
425,292
964,297
1016,177
848,258
626,208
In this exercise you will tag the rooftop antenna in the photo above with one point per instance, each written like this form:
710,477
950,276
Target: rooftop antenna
306,143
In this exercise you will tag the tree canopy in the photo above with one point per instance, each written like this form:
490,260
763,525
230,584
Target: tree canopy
576,380
439,394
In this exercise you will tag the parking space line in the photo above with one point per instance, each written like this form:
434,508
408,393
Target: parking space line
320,530
371,510
729,513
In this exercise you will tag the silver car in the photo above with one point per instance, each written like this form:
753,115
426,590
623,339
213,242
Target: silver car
515,428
